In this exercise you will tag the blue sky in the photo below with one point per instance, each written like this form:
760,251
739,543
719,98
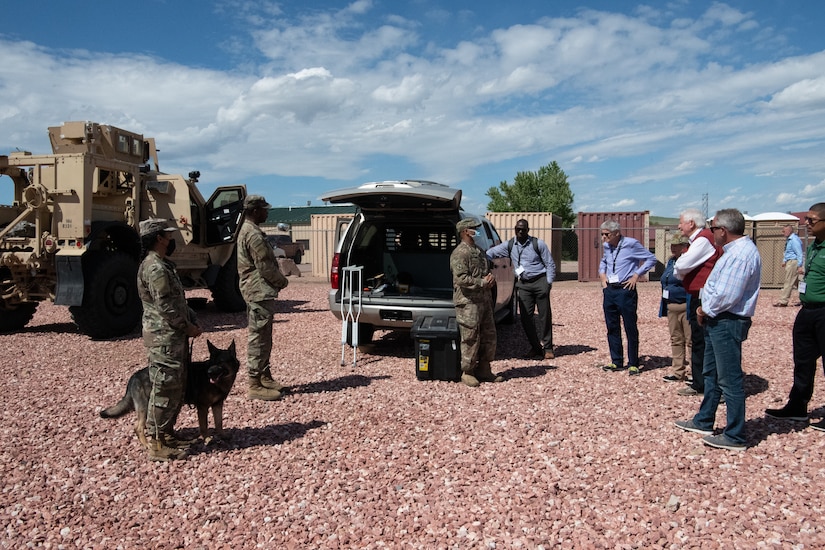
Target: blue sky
644,106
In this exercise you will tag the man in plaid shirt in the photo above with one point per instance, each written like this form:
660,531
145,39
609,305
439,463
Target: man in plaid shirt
728,303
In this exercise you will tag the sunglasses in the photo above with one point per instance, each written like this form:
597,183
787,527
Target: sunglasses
812,221
519,229
605,234
715,227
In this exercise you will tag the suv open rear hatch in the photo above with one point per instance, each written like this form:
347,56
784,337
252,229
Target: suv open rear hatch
398,195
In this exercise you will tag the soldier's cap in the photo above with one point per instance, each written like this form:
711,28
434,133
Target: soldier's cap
467,223
255,201
154,225
678,238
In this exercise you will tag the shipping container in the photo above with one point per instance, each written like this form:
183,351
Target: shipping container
633,224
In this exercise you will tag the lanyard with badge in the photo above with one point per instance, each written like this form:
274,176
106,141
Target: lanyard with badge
614,278
520,268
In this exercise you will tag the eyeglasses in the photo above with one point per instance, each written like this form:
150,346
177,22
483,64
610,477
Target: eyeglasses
605,234
715,227
519,229
812,221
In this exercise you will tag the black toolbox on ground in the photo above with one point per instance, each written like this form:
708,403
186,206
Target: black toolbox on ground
437,348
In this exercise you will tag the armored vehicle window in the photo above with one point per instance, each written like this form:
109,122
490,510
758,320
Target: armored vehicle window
122,144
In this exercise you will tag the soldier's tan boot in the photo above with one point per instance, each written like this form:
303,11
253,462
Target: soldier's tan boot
484,373
160,452
268,382
469,380
170,440
259,391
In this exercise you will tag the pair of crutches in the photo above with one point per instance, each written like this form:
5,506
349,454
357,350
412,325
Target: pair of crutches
352,288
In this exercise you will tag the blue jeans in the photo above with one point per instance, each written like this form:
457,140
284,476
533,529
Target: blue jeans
620,306
723,374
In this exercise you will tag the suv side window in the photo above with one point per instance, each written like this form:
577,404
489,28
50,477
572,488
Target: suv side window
492,234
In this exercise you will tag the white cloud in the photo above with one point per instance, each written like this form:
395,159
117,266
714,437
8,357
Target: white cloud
786,198
685,166
808,93
811,190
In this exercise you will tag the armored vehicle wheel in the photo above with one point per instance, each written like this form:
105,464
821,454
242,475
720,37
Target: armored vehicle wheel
226,293
111,306
17,318
297,257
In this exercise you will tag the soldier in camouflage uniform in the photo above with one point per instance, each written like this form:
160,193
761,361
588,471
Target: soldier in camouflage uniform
473,300
167,322
260,282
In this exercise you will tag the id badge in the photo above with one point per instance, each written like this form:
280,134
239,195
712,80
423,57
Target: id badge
519,271
802,285
613,278
665,294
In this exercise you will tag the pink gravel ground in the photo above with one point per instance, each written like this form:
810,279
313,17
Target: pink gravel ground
560,455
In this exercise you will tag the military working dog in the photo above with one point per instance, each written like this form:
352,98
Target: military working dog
208,383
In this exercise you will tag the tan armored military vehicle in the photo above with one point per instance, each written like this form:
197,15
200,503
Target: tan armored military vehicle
71,232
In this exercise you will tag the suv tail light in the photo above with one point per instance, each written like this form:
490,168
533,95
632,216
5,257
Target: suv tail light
334,276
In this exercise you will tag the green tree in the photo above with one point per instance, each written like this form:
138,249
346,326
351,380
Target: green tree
544,191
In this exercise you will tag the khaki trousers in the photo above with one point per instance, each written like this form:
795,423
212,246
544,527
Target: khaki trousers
680,346
791,281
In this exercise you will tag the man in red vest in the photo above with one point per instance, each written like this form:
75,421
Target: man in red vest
693,267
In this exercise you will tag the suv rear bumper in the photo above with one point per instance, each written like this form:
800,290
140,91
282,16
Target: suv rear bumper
391,314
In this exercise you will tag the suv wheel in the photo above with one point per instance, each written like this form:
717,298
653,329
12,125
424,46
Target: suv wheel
512,310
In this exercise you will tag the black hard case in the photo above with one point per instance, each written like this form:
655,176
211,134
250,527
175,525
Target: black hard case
437,348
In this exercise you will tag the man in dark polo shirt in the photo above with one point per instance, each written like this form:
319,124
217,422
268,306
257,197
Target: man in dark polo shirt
809,326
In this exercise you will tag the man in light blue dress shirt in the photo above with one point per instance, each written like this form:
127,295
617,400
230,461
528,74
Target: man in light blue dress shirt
792,261
535,271
625,260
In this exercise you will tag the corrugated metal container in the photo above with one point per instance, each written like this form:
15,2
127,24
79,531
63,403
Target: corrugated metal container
633,224
542,225
324,237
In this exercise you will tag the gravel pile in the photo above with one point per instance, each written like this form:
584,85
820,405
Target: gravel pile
560,455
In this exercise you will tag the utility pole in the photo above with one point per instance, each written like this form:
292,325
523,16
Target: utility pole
705,205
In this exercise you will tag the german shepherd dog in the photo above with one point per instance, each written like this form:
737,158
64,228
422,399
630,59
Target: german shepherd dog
208,383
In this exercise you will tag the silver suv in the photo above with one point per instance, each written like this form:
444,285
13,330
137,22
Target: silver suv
402,236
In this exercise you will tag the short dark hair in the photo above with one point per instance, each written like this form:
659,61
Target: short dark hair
819,208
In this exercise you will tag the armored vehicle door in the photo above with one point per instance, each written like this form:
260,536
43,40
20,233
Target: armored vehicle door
224,212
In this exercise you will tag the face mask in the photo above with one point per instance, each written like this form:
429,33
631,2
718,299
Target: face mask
170,248
473,233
